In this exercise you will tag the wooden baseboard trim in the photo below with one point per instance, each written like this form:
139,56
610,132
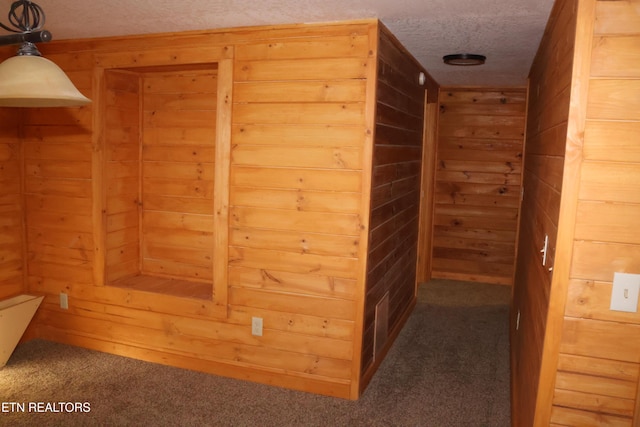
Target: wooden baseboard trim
263,376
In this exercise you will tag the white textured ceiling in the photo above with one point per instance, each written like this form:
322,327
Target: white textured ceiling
506,31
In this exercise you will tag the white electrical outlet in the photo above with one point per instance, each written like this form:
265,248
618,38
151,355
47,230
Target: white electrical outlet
64,301
256,326
624,295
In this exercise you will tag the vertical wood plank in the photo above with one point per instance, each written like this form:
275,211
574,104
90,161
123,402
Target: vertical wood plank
98,161
585,15
357,381
222,182
425,245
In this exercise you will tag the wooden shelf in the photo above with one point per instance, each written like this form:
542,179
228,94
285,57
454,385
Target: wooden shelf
167,286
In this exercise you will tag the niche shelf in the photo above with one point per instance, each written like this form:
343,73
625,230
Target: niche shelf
160,133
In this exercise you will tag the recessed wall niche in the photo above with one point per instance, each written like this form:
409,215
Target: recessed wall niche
159,176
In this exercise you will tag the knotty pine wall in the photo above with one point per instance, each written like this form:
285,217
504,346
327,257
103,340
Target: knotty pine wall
159,178
478,181
575,361
177,231
598,378
550,81
395,200
301,103
11,207
122,174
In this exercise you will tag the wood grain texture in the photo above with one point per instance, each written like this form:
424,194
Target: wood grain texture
546,140
617,17
289,237
178,99
478,179
569,205
395,199
427,194
606,237
161,141
12,237
121,175
582,169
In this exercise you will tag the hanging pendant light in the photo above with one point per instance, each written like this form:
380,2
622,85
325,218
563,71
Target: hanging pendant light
28,79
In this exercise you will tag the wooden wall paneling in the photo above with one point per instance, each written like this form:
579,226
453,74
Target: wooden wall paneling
302,179
605,239
303,283
427,193
121,175
584,14
588,371
195,338
478,180
611,100
332,44
292,125
136,322
540,211
57,179
580,336
572,417
358,381
611,141
136,58
222,183
176,100
620,17
299,149
529,307
177,114
82,289
395,199
240,370
296,210
221,39
12,236
615,56
546,139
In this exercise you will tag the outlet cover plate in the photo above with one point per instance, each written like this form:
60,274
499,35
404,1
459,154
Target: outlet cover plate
624,295
64,301
256,326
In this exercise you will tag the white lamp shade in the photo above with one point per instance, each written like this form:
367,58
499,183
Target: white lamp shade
34,81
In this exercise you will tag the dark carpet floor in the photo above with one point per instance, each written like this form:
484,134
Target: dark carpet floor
448,367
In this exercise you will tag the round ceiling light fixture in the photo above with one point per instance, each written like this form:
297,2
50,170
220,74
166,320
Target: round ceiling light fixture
464,59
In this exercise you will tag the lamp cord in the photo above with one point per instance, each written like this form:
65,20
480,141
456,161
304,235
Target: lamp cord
30,18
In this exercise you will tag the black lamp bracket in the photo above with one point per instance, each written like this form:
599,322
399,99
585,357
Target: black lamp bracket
26,20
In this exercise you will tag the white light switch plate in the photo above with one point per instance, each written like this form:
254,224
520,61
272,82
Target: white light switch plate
624,296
